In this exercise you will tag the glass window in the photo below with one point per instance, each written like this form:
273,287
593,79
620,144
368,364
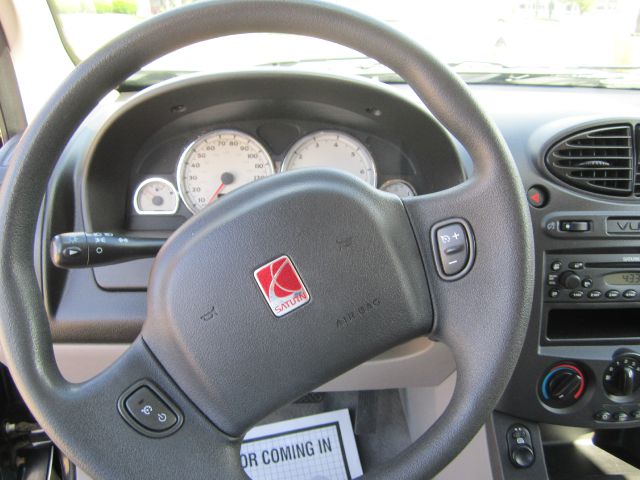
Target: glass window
558,42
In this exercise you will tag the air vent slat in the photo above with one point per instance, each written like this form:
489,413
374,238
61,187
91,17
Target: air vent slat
585,158
595,168
598,160
577,146
615,137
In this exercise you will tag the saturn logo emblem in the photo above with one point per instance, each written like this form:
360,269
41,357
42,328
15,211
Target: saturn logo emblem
281,286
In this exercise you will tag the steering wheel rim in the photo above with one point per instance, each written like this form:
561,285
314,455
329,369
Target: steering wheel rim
491,201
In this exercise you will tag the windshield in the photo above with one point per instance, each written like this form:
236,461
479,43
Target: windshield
536,42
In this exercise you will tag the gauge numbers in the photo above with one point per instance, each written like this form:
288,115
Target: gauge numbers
155,196
332,149
399,187
217,163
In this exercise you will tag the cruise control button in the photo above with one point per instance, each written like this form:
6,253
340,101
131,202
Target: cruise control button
612,294
149,410
453,248
576,294
593,294
630,294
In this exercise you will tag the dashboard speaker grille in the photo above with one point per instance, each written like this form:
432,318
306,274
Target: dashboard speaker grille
597,160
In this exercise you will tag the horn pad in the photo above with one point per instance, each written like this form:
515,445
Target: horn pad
278,288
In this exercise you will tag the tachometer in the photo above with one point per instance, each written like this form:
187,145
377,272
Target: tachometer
218,163
332,149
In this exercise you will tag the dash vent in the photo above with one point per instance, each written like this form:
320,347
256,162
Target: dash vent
636,189
598,160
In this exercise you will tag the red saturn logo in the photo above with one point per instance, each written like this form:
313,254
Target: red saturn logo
281,286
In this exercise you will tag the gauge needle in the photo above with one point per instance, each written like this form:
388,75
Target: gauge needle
215,194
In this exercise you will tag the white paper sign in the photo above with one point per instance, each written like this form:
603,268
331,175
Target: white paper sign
317,447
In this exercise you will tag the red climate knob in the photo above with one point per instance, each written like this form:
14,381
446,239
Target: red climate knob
563,385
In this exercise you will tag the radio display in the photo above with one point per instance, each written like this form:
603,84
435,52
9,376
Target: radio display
622,278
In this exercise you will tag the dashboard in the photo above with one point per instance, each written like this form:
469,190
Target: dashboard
169,151
144,164
192,153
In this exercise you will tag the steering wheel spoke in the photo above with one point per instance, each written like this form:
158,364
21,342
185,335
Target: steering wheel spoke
90,414
486,297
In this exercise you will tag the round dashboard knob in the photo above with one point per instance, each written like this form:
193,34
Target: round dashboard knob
522,456
570,280
562,386
622,376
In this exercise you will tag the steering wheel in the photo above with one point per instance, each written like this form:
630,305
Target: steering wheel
211,344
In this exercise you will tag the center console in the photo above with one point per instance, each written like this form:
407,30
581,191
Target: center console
578,375
580,365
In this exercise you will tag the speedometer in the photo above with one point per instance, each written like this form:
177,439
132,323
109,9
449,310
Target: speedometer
332,149
217,163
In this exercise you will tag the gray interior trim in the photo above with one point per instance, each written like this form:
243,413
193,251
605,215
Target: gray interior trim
12,116
400,367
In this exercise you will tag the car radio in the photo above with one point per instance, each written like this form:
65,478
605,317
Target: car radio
592,277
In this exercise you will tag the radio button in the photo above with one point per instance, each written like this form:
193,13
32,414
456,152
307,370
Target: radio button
587,283
630,294
576,265
554,292
556,266
570,280
594,294
612,294
576,294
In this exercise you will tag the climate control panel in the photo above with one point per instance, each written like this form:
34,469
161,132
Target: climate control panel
608,394
592,278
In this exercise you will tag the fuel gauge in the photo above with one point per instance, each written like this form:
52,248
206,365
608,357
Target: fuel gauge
401,188
156,196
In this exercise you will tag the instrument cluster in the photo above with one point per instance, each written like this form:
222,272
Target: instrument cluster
220,161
